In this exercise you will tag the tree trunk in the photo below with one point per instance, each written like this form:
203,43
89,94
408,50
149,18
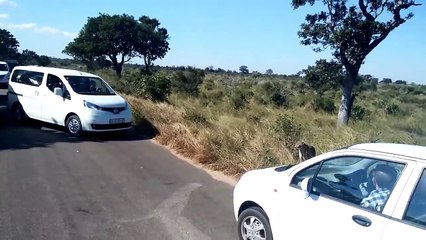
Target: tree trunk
147,64
347,100
118,67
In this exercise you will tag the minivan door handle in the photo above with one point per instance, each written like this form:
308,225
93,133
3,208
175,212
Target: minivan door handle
361,220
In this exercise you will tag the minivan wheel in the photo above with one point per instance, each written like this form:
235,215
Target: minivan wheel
254,224
74,125
18,113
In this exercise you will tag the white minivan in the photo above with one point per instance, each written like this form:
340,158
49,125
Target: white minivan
77,100
4,74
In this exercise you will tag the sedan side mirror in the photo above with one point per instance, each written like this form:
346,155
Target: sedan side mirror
306,186
58,91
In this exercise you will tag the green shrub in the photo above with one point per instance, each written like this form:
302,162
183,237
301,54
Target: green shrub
157,87
324,103
188,82
359,113
279,99
239,99
392,109
287,130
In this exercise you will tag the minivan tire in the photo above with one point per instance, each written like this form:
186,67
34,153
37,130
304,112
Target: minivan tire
73,125
18,114
258,217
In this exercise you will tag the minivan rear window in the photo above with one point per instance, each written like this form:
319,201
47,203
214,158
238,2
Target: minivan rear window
27,77
89,85
3,67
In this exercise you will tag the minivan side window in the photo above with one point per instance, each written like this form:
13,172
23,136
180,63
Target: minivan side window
416,210
53,82
27,77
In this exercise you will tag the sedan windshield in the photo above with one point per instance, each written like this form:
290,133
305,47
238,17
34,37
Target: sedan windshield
3,68
89,85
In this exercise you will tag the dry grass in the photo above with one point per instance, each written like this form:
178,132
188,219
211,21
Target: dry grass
237,141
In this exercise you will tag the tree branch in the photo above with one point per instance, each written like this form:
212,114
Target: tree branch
397,11
381,11
364,11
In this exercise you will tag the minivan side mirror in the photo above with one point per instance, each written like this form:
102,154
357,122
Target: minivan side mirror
58,91
306,186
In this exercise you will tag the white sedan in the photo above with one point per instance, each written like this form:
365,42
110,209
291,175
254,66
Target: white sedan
367,191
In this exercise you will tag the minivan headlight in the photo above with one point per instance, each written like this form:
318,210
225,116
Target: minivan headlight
91,105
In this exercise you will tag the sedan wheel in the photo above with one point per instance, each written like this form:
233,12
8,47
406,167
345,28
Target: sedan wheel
254,225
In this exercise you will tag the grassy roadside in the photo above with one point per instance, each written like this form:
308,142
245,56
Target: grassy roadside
235,142
237,123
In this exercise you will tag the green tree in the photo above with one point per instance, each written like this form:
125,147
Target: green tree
386,81
269,72
351,32
28,57
8,45
244,69
112,36
44,60
152,41
324,75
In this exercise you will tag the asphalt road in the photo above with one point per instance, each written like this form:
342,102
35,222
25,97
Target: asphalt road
104,186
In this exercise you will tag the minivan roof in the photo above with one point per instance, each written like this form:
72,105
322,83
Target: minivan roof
56,71
407,150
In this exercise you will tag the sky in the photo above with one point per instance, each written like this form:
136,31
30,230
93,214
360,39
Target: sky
220,33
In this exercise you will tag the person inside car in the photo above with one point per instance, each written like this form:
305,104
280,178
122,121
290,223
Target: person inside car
383,179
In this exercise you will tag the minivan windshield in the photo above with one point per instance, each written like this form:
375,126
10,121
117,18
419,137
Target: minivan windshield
3,67
89,85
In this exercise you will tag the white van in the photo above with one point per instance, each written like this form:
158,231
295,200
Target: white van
4,74
77,100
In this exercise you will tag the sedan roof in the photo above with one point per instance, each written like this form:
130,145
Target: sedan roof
412,151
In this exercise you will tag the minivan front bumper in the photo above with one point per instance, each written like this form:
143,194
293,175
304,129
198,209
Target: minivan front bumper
103,121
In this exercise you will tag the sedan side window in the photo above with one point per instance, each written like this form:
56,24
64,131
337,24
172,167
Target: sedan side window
416,210
361,181
308,172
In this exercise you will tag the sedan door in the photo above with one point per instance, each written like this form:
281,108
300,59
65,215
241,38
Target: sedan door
409,218
332,209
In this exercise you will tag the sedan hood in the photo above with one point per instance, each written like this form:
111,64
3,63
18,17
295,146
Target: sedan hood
264,175
105,100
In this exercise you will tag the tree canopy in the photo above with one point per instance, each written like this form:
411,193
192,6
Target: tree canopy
324,75
8,45
244,69
119,38
351,30
152,41
28,57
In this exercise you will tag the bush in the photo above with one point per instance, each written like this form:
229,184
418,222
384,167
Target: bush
188,82
359,113
287,130
157,87
323,103
279,99
271,93
392,109
239,100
